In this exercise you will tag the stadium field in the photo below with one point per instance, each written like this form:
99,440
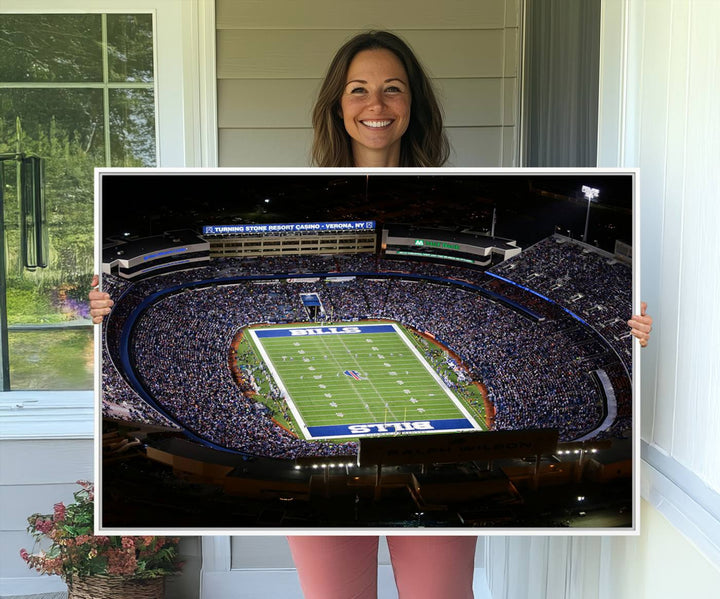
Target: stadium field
358,379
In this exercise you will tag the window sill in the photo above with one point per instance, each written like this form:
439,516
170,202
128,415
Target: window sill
46,415
689,504
36,587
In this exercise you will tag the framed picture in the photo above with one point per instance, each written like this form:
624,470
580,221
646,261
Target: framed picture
397,350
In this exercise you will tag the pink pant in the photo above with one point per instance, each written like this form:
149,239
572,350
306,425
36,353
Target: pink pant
346,567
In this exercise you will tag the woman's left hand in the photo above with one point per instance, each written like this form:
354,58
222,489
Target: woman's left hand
641,325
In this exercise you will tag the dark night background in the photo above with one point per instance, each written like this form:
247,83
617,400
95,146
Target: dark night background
529,206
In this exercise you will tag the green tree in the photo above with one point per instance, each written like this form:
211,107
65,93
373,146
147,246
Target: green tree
66,127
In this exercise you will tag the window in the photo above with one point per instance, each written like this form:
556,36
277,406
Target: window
77,90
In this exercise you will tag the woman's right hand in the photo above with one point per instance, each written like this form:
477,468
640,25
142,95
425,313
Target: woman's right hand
100,302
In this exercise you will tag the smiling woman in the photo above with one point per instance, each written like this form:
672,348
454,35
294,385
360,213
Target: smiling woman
377,107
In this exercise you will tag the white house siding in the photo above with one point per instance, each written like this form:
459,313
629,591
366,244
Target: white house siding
35,474
271,57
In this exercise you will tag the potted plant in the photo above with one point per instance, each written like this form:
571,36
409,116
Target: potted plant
95,567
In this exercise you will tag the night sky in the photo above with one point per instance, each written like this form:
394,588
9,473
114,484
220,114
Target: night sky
529,206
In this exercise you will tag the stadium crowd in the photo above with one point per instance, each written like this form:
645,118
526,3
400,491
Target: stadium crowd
593,285
537,371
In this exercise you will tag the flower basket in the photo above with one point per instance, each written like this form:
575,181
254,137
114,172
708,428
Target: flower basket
98,567
116,587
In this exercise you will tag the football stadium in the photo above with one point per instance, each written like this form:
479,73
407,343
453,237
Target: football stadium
289,362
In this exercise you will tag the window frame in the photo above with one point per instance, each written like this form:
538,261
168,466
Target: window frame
186,135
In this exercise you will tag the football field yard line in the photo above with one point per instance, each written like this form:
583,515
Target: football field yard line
281,385
380,395
436,376
348,353
365,404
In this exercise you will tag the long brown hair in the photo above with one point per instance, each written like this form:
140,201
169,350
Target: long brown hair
423,144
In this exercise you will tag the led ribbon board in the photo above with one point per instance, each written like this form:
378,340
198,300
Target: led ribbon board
255,229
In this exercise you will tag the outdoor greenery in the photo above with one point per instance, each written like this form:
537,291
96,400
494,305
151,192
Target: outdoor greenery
64,122
52,359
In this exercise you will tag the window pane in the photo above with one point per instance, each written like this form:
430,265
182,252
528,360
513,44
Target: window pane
53,121
132,127
54,359
50,48
130,47
65,127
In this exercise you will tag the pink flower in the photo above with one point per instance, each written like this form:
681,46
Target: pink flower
59,509
128,543
44,526
24,555
121,561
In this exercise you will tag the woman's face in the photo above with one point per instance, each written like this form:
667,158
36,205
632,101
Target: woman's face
375,107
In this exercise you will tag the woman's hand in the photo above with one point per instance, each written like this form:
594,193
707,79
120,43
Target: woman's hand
100,302
641,325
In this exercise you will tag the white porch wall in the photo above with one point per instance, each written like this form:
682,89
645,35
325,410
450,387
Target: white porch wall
660,80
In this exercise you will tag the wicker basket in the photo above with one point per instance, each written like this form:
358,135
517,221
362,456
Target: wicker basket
116,587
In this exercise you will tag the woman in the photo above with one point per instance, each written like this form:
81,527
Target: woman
377,108
363,114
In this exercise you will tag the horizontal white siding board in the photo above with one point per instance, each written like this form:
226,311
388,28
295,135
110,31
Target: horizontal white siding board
471,102
265,147
260,552
271,58
35,587
41,462
11,564
475,146
470,146
377,14
266,103
253,54
19,501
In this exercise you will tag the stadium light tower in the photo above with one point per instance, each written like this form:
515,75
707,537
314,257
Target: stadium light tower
590,193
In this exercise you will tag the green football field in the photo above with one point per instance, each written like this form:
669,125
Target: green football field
356,379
